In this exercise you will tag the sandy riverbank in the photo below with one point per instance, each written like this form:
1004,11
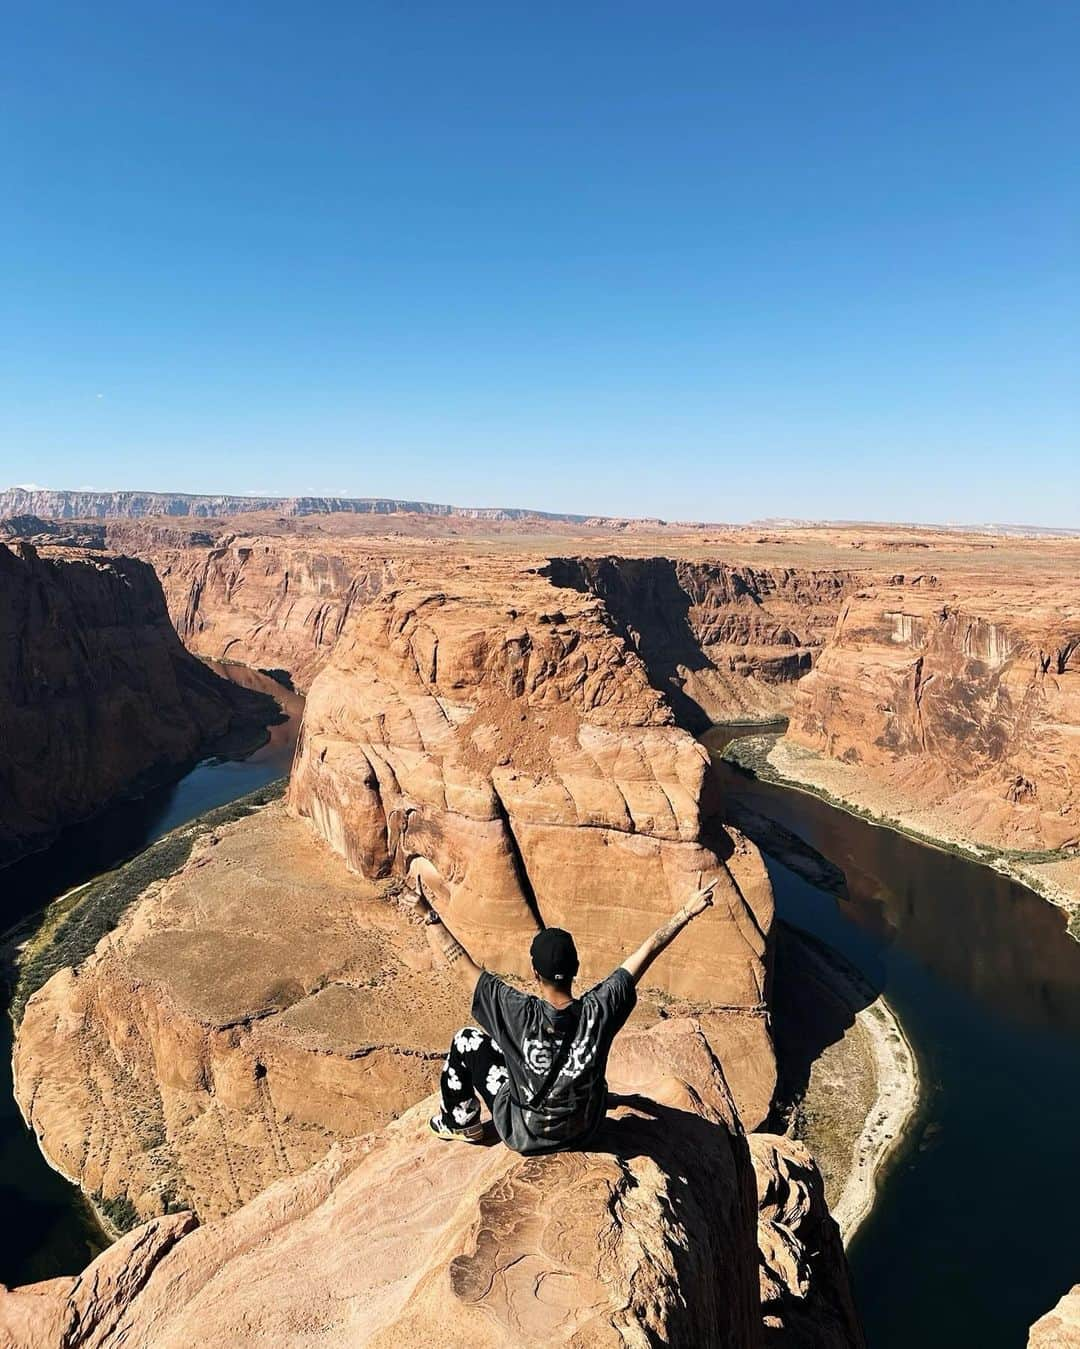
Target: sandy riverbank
854,1103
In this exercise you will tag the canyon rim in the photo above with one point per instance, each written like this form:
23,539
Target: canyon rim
506,705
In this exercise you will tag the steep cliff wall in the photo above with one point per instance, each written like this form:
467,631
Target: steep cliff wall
966,701
722,641
95,689
398,1240
266,602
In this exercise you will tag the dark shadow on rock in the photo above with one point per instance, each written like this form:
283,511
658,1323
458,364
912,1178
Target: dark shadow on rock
816,995
711,1196
650,609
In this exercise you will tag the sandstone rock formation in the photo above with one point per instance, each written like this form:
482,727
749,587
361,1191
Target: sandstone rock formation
805,1297
962,700
398,1239
45,533
1060,1328
258,600
95,689
493,737
723,641
245,1015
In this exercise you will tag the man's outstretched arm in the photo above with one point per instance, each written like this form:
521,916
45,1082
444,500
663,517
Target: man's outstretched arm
447,947
643,957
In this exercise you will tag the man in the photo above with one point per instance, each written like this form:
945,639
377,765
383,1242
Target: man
539,1062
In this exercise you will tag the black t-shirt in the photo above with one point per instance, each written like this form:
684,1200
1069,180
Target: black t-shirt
530,1033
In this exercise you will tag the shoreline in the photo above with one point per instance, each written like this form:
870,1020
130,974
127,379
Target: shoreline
772,759
897,1083
37,934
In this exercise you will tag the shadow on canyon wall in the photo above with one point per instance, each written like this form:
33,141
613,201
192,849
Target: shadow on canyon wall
651,612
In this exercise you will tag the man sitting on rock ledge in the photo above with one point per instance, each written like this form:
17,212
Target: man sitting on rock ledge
539,1063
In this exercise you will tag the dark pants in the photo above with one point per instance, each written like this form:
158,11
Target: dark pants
474,1067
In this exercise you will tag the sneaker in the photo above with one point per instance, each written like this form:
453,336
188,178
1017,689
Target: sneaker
470,1133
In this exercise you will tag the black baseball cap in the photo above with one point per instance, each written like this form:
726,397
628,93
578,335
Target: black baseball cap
554,955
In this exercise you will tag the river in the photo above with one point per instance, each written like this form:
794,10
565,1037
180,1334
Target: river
48,1228
974,1233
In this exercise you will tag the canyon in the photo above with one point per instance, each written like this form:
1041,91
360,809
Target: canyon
966,698
508,720
97,693
929,678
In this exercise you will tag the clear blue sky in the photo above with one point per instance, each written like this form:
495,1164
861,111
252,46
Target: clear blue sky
697,260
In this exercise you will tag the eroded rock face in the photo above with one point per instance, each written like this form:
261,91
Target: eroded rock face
723,641
963,700
400,1240
67,505
246,1014
95,689
805,1295
264,602
1060,1328
500,742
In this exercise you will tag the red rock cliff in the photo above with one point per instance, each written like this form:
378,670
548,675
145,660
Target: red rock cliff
95,689
262,601
722,641
964,699
495,737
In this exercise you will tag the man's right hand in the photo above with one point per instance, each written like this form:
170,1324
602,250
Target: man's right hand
699,901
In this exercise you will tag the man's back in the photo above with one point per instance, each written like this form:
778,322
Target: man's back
532,1035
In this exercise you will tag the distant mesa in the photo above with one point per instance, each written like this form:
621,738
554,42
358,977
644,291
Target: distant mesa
63,505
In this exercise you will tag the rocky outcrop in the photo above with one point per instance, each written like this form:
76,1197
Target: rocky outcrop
502,744
805,1295
96,692
1060,1328
398,1239
962,700
723,642
245,1014
45,533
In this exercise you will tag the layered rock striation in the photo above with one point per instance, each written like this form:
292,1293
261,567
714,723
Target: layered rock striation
86,505
96,690
495,739
966,701
264,602
723,641
396,1239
